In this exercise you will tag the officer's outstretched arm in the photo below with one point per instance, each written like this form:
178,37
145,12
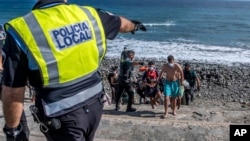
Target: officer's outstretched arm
131,25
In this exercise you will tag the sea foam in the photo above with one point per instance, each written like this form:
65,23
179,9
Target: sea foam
188,51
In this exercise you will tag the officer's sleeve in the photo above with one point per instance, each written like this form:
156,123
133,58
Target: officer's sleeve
15,65
111,23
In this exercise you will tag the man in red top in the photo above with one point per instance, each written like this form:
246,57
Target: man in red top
152,90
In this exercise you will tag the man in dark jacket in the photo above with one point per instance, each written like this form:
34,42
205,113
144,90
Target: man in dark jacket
125,83
191,80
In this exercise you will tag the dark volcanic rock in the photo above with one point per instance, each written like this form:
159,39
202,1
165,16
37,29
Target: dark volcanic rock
221,82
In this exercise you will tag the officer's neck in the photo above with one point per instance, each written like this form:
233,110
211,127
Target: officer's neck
42,3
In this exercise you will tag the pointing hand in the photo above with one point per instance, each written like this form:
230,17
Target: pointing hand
138,26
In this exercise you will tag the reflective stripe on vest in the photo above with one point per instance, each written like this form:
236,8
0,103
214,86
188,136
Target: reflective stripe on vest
50,68
52,108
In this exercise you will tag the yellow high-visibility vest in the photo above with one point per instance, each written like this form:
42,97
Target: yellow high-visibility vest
67,42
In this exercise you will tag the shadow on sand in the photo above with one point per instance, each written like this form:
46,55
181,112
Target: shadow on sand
143,114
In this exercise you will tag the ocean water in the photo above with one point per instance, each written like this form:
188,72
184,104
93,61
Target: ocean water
212,31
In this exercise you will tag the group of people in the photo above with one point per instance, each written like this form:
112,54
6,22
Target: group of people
172,82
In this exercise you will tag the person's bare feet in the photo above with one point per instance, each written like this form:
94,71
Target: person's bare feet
156,103
164,116
152,104
174,113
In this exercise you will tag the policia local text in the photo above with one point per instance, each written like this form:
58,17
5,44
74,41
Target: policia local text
70,35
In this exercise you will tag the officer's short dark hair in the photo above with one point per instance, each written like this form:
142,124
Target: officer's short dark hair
170,58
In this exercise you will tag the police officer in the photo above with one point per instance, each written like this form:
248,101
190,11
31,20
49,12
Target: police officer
58,47
125,84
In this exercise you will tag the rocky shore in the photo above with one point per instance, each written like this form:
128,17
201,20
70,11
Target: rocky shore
223,100
218,82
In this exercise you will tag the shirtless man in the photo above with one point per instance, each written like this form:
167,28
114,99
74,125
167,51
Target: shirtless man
172,83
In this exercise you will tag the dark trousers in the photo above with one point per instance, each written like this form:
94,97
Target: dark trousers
114,91
189,95
24,123
140,92
123,87
78,125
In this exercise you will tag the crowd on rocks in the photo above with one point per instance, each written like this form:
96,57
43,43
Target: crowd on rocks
219,82
223,99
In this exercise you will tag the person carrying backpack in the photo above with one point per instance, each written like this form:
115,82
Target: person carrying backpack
191,80
152,90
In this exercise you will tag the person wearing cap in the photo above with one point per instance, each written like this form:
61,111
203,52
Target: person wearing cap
58,47
191,80
173,80
125,82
